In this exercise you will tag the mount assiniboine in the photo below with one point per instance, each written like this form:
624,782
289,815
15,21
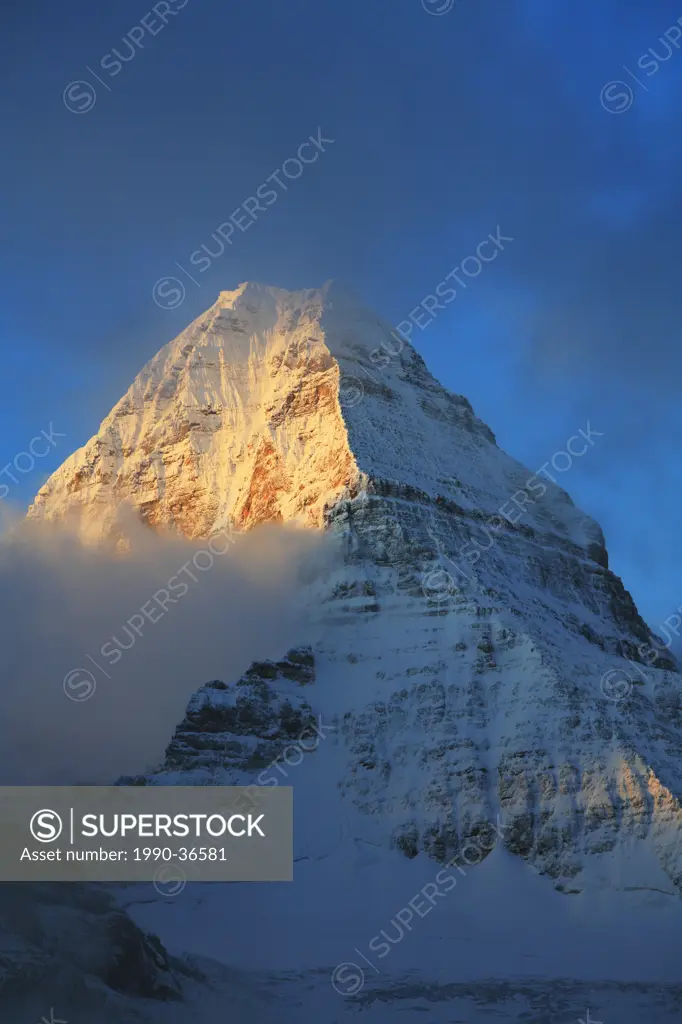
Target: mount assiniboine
451,717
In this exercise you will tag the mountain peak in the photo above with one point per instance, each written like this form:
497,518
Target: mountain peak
271,304
256,292
276,405
471,651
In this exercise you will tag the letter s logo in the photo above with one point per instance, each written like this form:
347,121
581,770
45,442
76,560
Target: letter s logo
46,826
79,97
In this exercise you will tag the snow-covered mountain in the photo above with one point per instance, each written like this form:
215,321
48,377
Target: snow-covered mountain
461,697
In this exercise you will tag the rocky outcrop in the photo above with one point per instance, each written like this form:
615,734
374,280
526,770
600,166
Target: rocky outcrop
73,947
243,727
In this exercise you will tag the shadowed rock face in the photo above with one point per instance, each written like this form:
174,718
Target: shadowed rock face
69,953
242,727
464,649
72,945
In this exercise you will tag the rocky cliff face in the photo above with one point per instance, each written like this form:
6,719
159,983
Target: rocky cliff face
236,420
72,946
69,954
464,647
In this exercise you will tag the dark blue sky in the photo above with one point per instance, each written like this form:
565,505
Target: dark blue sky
494,112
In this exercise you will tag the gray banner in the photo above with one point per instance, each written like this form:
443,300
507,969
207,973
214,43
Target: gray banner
146,833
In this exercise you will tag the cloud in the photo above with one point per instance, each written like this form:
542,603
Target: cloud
169,616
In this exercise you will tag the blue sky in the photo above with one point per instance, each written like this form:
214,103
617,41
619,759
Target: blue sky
445,126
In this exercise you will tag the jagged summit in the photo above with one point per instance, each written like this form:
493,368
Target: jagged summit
274,405
254,291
